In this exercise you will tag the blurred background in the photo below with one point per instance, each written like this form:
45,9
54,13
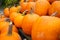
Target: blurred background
6,3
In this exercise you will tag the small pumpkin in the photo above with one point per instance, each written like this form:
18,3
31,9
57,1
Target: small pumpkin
13,15
46,28
55,7
18,19
10,35
27,22
2,17
18,8
41,7
23,5
13,9
29,6
6,12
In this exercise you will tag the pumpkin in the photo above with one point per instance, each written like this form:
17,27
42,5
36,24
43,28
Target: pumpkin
55,7
29,6
21,1
23,6
5,29
2,17
10,35
6,12
13,9
30,0
4,25
41,7
19,8
18,19
27,22
13,15
46,28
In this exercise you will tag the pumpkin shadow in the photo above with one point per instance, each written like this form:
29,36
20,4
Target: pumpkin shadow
23,36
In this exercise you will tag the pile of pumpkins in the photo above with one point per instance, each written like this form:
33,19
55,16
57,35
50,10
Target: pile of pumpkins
39,19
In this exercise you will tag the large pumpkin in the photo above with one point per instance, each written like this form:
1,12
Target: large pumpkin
27,22
10,35
5,25
41,7
46,28
5,29
55,7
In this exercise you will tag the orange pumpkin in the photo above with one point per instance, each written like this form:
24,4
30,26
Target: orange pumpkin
18,8
5,29
30,0
6,12
23,6
2,18
55,7
3,24
13,9
10,35
13,15
27,22
30,5
41,7
18,19
46,28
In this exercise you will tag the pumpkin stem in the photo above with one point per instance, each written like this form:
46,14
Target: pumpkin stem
31,10
7,19
54,14
10,29
25,12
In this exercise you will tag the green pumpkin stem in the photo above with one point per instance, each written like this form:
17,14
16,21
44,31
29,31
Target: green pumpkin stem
54,14
10,29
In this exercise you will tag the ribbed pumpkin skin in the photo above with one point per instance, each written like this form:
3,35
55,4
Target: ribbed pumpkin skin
41,7
27,22
55,7
46,28
14,36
